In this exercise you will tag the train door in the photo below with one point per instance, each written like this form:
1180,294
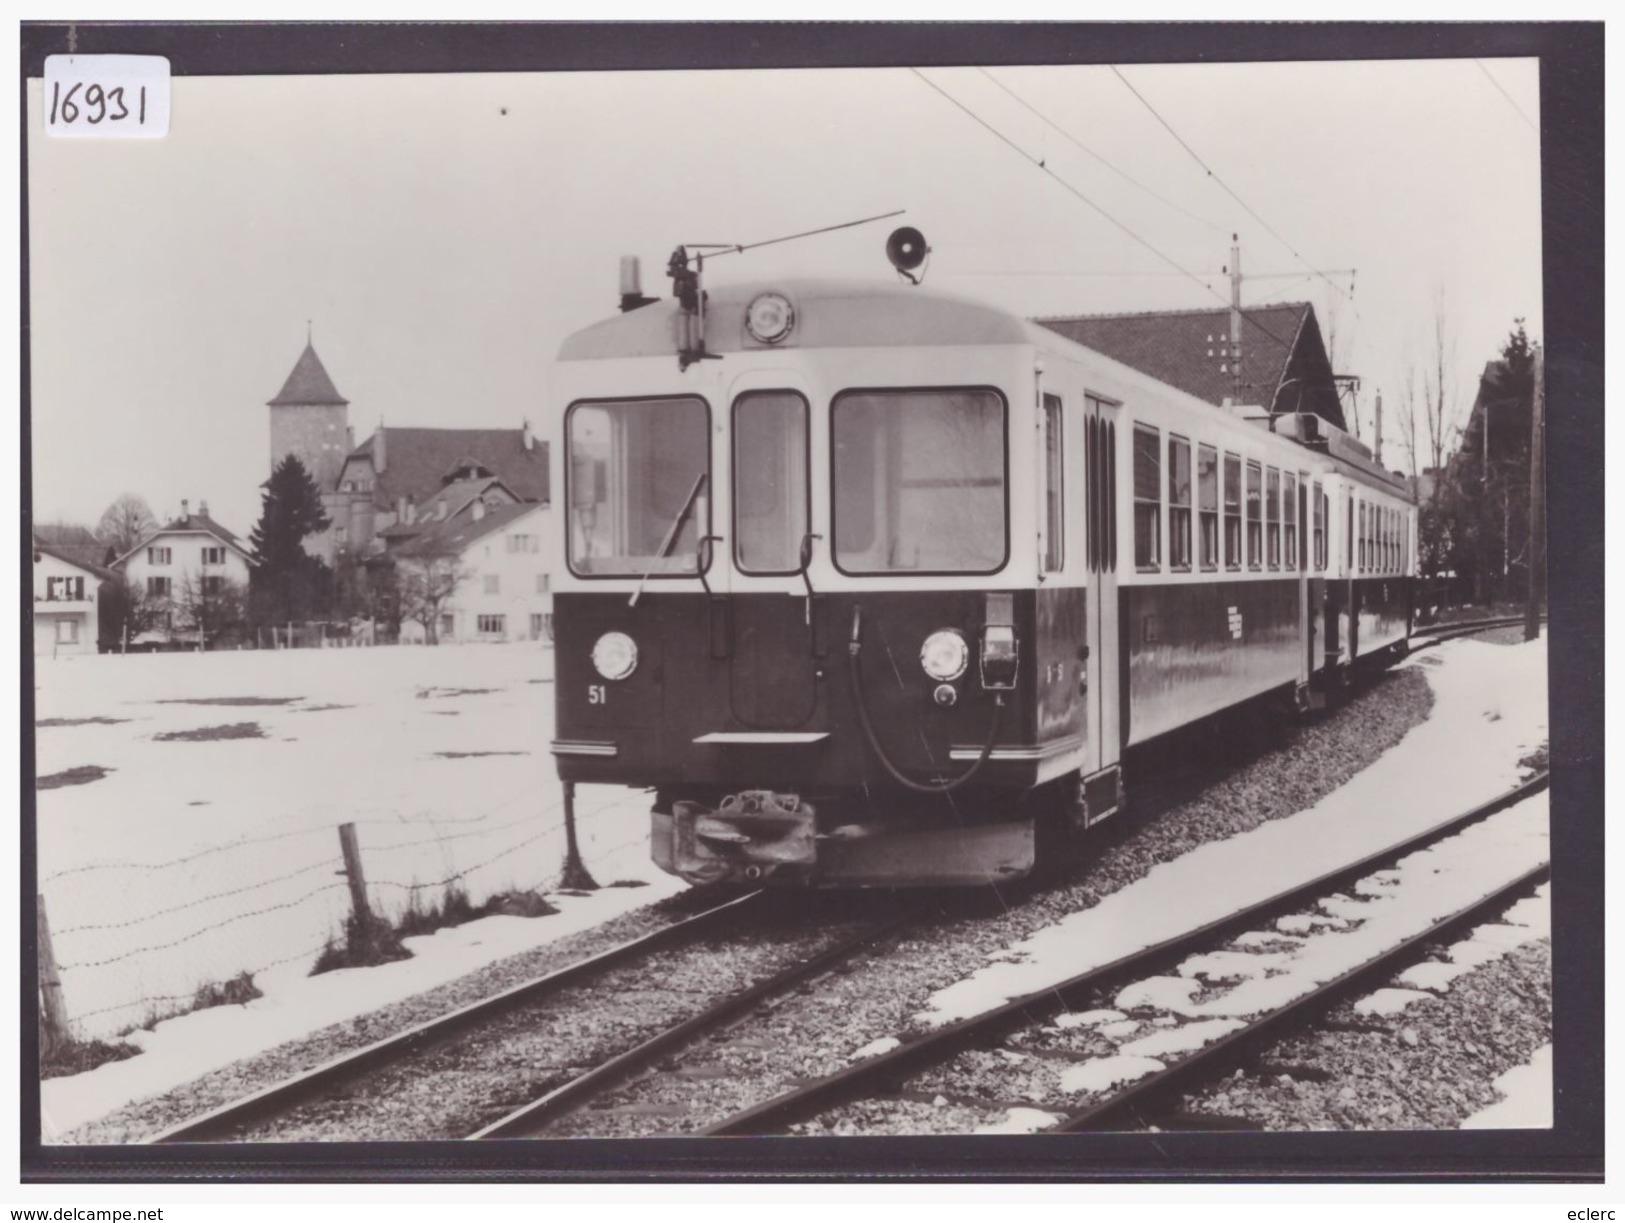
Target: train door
1102,708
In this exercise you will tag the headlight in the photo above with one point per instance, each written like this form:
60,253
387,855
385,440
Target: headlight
944,655
615,655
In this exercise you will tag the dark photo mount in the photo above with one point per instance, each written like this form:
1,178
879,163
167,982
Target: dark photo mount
1571,68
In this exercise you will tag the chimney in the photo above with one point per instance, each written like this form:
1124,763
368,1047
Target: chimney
202,509
378,456
526,437
1376,433
479,508
186,512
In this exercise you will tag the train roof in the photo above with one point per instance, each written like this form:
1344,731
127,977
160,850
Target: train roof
834,313
829,314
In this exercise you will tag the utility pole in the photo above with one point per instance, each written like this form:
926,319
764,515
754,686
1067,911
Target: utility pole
1536,550
1235,317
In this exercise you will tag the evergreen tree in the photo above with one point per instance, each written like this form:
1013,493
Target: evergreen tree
290,509
288,584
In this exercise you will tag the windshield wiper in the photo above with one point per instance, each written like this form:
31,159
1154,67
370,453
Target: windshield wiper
672,533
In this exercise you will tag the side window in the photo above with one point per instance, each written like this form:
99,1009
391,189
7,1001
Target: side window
1255,525
1317,508
1361,557
1289,517
1147,496
1179,502
1272,514
1054,487
1207,504
1232,511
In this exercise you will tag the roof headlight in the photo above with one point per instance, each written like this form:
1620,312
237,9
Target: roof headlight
615,655
945,655
769,317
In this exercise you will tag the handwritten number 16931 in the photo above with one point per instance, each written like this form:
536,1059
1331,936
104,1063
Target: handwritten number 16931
95,103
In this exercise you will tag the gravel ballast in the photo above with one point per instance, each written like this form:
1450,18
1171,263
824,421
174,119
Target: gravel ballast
1430,1066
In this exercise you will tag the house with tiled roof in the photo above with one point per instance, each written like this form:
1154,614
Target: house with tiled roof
67,594
1283,364
496,561
189,561
376,494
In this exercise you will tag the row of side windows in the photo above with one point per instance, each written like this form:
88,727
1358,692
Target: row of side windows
1269,496
1384,538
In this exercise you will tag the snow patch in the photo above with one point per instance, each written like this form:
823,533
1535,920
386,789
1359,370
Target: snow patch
1021,1121
1120,1030
1231,965
1180,1040
1104,1073
874,1048
1435,975
1527,1098
1263,938
1389,1001
1163,993
1086,1019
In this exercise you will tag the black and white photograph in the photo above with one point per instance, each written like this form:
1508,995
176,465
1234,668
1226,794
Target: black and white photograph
946,600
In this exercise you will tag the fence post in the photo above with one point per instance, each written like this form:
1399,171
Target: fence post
369,939
352,871
54,1031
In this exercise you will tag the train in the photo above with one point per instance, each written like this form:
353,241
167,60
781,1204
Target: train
871,584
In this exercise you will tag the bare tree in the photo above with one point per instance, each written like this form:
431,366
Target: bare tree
1405,413
426,584
209,605
125,523
125,610
1438,408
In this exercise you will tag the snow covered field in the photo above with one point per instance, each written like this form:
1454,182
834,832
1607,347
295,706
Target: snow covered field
193,860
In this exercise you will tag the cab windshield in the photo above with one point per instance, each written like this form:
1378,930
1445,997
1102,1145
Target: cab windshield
633,470
919,481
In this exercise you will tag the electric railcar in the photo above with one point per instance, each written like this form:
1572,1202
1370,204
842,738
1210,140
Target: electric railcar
863,581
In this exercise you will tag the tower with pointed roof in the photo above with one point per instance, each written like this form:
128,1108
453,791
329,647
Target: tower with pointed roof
310,419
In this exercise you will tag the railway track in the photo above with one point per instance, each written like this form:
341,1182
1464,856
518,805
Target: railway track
1447,632
1149,1101
883,1075
355,1074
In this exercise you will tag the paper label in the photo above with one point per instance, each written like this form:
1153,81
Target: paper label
107,96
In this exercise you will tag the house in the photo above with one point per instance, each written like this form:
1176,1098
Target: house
184,570
1283,367
453,501
378,493
66,595
492,564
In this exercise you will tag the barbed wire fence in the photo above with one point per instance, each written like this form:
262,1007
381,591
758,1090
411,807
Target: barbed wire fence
129,943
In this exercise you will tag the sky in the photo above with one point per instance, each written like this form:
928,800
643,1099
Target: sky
439,235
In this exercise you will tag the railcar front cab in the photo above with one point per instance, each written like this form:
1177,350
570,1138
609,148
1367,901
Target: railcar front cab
803,589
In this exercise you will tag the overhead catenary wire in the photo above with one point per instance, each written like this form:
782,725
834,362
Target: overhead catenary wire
1225,187
1068,187
1121,173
